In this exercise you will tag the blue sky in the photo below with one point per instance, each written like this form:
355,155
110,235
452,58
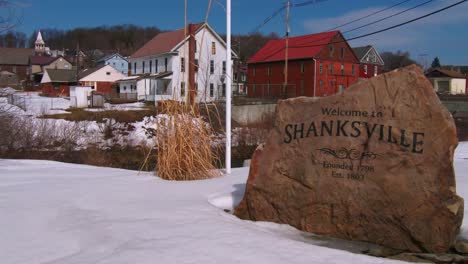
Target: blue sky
444,34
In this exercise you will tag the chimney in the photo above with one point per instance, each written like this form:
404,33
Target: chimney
191,65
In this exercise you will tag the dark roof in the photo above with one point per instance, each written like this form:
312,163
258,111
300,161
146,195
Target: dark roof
15,56
307,46
110,56
361,51
458,68
445,73
162,43
42,60
59,75
89,71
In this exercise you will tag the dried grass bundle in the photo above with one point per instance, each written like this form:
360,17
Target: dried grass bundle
184,149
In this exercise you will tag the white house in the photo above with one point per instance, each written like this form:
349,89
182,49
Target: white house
447,81
163,63
115,60
102,79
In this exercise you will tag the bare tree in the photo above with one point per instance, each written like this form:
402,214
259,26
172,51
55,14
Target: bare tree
10,15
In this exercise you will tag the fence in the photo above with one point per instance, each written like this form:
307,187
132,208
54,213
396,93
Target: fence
271,91
17,100
121,96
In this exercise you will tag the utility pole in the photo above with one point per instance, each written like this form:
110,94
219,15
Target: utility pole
286,50
228,86
77,61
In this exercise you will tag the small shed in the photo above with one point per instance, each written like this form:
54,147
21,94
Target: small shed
79,96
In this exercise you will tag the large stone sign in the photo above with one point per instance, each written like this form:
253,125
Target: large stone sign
373,163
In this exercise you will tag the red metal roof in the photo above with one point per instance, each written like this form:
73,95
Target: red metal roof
301,47
162,43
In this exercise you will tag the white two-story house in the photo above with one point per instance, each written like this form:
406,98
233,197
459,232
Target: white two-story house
160,69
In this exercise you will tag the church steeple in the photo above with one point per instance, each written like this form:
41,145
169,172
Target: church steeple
39,44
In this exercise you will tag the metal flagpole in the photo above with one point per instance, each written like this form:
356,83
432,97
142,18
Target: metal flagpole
228,87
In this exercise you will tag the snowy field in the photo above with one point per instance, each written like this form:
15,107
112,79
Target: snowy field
63,213
38,105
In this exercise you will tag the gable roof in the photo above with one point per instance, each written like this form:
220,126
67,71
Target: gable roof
103,73
89,71
59,75
105,58
362,51
445,73
15,56
163,42
45,60
307,46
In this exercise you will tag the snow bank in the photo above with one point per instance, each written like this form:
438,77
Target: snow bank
63,213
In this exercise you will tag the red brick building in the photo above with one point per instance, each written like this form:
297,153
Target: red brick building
57,82
318,65
102,79
371,64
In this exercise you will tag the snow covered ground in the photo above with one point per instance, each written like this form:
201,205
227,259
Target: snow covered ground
64,213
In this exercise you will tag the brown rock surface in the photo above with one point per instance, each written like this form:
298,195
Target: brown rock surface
374,163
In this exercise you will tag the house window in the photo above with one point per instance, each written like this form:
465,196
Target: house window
321,67
156,66
302,67
213,48
182,64
302,87
269,70
342,69
268,88
365,69
342,53
352,70
195,47
143,70
182,89
223,91
211,66
108,73
196,65
56,86
211,90
331,68
332,50
151,66
254,70
320,83
125,88
14,69
340,88
224,67
375,70
165,64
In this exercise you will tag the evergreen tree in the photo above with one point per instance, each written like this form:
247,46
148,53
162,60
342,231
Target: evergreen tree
435,63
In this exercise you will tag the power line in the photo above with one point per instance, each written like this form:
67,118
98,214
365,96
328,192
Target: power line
378,31
390,16
409,21
369,15
279,10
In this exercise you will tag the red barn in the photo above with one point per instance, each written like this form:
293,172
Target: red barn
371,64
318,65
